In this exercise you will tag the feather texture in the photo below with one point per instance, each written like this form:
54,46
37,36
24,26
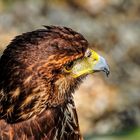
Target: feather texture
36,95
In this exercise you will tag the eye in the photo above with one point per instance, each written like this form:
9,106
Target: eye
88,53
69,66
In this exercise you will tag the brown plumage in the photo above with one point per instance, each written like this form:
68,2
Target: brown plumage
36,95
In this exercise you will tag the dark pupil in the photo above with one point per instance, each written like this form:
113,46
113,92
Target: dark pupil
69,65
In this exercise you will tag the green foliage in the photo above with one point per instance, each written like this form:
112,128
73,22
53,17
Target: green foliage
125,135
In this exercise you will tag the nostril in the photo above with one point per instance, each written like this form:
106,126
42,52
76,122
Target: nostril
88,53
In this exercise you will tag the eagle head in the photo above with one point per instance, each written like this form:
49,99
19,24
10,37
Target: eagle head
41,69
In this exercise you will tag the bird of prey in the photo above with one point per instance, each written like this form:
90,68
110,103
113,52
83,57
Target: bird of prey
39,72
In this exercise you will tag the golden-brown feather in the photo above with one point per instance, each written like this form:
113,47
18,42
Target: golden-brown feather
36,95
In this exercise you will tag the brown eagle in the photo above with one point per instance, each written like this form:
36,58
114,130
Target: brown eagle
39,72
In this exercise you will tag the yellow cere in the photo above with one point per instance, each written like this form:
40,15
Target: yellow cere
85,65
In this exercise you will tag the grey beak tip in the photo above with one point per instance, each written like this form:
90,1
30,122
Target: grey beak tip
106,70
107,74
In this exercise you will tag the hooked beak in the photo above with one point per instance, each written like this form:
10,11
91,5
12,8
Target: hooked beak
90,63
102,65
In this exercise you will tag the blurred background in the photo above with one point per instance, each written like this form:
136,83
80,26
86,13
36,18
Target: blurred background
108,108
